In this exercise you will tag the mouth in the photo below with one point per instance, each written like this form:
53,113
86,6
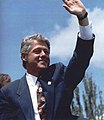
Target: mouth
43,61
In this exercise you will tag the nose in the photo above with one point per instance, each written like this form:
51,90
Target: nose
43,52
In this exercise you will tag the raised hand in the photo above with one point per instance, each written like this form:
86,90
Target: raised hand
75,7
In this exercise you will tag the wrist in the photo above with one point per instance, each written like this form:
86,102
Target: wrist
80,18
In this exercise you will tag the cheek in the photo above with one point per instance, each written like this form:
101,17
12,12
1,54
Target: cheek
32,58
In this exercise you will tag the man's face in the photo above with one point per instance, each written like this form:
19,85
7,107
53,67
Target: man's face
38,57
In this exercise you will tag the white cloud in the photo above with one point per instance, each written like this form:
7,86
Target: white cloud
63,39
97,17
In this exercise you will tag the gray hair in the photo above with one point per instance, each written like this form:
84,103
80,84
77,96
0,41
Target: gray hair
26,43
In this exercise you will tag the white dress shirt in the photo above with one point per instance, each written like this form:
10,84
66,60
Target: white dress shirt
33,86
86,32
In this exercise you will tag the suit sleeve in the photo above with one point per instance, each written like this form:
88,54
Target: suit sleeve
7,109
4,106
79,62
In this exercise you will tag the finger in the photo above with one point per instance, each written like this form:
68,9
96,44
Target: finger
68,2
67,8
65,1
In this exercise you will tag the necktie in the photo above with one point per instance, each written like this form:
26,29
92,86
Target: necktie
41,103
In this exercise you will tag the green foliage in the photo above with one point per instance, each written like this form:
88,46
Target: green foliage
88,102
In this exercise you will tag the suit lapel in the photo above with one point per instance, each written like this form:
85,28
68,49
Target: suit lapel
25,99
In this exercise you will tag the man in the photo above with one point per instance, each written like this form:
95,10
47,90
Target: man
4,79
18,101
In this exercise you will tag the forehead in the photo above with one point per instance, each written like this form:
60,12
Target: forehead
38,44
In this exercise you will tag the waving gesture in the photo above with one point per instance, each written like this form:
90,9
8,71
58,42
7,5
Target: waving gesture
77,8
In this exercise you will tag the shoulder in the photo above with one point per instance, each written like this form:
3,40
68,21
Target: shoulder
55,66
12,86
57,70
53,71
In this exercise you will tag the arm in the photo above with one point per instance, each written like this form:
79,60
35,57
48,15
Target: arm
4,107
84,48
7,108
79,62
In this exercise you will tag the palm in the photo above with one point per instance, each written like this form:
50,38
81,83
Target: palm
75,7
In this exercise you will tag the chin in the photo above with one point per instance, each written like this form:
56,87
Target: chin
43,67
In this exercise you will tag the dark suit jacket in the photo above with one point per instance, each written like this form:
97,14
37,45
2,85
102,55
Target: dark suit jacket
15,100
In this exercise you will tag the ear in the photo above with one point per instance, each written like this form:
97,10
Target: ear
24,56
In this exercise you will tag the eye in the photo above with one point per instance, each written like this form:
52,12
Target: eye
46,52
37,51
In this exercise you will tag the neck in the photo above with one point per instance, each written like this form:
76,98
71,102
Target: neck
33,73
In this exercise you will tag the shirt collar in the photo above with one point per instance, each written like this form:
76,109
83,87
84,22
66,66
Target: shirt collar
31,78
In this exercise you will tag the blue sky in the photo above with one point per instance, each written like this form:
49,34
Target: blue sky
19,18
